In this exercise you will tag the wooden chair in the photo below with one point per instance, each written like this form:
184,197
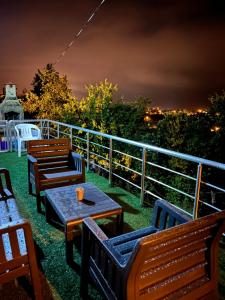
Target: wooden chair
179,262
17,252
51,163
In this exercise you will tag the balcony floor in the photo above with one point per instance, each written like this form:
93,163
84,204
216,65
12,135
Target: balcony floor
59,280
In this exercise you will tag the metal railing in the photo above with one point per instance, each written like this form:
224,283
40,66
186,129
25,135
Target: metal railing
135,163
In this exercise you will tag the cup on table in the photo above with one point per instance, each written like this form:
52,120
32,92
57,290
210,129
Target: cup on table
80,193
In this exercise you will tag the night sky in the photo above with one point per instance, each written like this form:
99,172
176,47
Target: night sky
170,51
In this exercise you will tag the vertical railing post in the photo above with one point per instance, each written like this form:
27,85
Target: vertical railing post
58,130
7,135
143,169
48,129
197,191
88,151
41,128
10,134
110,161
71,136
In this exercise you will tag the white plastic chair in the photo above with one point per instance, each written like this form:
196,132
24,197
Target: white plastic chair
26,132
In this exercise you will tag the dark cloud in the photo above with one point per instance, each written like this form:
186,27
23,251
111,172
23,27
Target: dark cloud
171,51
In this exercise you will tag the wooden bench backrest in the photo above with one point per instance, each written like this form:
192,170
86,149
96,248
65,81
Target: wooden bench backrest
177,263
49,148
165,215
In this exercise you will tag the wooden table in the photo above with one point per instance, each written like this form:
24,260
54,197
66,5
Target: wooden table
63,203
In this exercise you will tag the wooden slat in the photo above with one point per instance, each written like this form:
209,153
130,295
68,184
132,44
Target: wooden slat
173,267
41,149
52,153
62,141
55,184
52,171
163,258
42,160
56,164
166,287
167,242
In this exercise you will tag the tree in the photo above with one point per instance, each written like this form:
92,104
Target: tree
49,95
217,114
96,106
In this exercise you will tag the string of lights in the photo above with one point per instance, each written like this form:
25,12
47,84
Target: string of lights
69,45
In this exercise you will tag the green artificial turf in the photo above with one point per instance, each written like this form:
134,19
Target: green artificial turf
63,281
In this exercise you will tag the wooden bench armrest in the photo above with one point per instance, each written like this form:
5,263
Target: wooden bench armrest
14,225
94,252
31,159
76,157
93,227
93,231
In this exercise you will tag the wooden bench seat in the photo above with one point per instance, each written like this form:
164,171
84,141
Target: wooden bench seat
61,174
17,253
174,258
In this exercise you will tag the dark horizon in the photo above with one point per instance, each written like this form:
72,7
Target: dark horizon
169,51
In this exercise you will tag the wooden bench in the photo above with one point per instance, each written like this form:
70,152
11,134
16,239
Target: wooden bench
163,261
52,163
17,253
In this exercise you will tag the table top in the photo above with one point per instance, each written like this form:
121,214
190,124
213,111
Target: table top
68,208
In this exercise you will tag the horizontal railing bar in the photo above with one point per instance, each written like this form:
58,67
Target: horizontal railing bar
127,168
211,206
64,133
123,153
79,147
184,211
98,155
96,144
152,194
156,196
170,187
171,171
93,163
53,129
79,138
213,186
137,186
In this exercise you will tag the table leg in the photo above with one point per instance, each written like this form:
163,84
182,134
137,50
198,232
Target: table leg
47,211
119,223
69,251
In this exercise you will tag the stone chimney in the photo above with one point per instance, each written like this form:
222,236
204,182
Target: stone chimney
10,108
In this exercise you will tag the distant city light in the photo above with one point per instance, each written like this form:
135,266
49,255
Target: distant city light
147,118
215,129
